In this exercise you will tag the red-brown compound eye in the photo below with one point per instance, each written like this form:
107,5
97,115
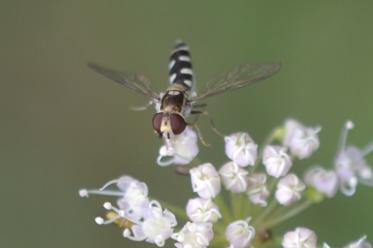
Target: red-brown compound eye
157,121
178,123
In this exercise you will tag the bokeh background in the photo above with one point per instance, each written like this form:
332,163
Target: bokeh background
64,127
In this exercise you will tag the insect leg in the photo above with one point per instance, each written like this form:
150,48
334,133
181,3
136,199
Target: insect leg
143,107
200,105
212,124
199,134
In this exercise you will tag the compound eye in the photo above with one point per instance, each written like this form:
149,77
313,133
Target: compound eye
157,121
178,123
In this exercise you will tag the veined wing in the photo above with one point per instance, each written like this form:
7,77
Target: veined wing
238,77
133,81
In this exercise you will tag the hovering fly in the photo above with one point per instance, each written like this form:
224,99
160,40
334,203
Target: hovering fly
180,100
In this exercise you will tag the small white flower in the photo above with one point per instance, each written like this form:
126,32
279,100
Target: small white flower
179,149
352,168
241,148
194,235
350,164
301,237
205,181
135,196
360,243
156,227
234,177
239,233
302,141
276,161
289,189
324,181
257,189
202,210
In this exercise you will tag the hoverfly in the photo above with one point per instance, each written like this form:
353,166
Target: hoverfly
180,99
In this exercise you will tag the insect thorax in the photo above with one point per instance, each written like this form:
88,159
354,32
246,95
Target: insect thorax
173,101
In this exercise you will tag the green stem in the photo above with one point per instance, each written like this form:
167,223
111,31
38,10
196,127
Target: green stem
224,210
291,213
236,204
268,210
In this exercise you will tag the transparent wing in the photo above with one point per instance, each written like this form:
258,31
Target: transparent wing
132,81
238,77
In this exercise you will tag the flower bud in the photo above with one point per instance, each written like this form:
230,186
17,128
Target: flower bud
257,189
302,141
202,210
239,234
324,181
205,181
276,161
301,237
234,177
194,235
289,189
241,148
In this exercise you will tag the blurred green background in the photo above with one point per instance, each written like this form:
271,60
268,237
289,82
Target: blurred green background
64,127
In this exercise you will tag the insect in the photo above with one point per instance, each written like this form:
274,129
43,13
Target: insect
180,100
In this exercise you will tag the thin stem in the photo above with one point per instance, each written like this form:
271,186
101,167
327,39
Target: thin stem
291,213
268,210
224,210
273,184
247,207
236,204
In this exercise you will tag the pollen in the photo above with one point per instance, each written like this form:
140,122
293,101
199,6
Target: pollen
120,221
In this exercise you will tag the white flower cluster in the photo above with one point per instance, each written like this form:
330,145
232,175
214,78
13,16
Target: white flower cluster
144,219
273,187
350,168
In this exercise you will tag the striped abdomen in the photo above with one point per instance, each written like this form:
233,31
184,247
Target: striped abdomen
180,68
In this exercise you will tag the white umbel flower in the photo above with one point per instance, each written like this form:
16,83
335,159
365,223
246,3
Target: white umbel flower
276,161
241,148
324,181
301,237
239,233
360,243
180,149
156,227
257,189
202,210
302,141
234,177
352,168
289,189
350,164
135,197
205,181
194,235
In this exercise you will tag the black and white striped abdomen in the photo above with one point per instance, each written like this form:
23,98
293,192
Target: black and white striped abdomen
180,67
